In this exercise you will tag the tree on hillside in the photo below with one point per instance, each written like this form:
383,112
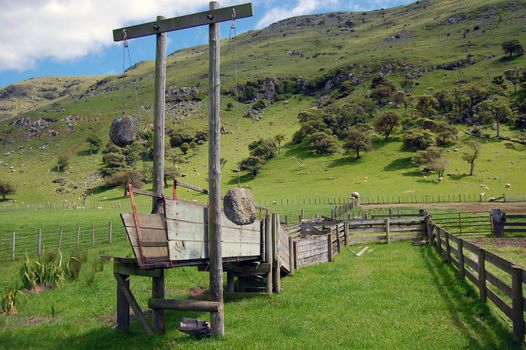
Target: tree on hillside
323,143
358,140
124,178
496,109
62,163
194,147
426,105
184,147
6,189
514,77
512,47
432,159
263,148
418,139
472,156
95,143
386,123
279,139
252,164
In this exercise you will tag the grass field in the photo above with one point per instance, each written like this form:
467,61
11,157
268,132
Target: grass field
397,296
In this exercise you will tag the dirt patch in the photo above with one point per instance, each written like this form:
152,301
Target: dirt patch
197,291
39,319
519,207
519,242
109,319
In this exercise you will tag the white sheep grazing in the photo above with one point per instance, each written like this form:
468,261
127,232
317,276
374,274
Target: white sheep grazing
484,187
508,185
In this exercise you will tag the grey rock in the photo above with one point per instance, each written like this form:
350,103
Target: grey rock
123,131
239,206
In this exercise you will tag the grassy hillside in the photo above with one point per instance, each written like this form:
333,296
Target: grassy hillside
414,40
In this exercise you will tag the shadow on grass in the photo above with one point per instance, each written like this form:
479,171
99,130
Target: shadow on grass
242,179
349,159
457,176
399,164
379,142
84,153
468,313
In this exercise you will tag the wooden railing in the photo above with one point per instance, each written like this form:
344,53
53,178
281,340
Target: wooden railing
490,281
515,223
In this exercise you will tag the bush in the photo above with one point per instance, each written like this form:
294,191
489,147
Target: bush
418,139
74,263
177,138
263,148
46,271
8,301
323,143
124,178
386,123
252,164
358,140
6,189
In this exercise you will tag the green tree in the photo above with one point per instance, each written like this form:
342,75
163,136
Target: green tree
418,139
514,77
279,139
125,178
252,164
426,105
323,143
62,163
433,159
95,144
194,147
511,47
263,148
386,123
472,156
184,147
6,189
496,109
358,140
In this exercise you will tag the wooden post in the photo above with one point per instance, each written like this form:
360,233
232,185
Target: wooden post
295,249
123,307
78,235
302,215
110,232
291,255
268,251
159,118
439,239
13,245
60,238
158,293
39,242
460,223
338,248
93,234
329,247
482,274
448,247
214,177
387,231
517,300
461,258
230,282
276,274
346,232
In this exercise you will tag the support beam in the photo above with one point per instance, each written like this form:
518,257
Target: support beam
184,305
162,25
217,326
124,289
159,325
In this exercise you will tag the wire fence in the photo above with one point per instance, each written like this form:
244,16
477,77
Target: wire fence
17,244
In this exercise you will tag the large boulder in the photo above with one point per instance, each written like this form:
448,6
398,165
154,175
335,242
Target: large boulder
239,206
123,131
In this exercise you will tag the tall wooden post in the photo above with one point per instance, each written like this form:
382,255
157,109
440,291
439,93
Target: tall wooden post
158,120
214,178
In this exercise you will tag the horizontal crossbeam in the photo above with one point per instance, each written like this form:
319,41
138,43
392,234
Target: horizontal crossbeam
183,22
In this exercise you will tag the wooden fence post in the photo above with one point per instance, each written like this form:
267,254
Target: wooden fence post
39,242
302,215
448,247
338,248
295,249
461,258
110,232
291,255
346,232
78,235
93,234
268,251
13,245
387,229
276,274
329,247
158,293
439,240
482,274
517,299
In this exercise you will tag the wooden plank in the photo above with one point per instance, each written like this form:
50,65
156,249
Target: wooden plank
501,263
514,224
184,211
515,216
501,304
183,22
471,263
518,306
184,305
124,289
514,230
123,307
482,274
497,282
472,277
158,320
471,247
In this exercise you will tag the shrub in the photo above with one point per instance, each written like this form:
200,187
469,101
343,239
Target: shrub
252,164
8,301
124,178
6,189
323,143
46,271
386,123
184,147
358,140
418,139
263,148
74,263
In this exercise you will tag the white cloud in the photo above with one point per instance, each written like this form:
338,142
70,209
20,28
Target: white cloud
301,7
34,30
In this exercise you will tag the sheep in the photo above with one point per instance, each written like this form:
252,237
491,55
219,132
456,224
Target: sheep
508,185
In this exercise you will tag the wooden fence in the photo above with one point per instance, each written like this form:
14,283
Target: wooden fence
488,272
515,223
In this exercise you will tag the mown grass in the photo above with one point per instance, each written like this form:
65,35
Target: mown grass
395,297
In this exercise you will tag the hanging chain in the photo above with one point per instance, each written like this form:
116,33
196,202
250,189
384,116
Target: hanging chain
125,48
233,29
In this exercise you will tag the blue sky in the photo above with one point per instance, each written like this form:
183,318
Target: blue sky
73,37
